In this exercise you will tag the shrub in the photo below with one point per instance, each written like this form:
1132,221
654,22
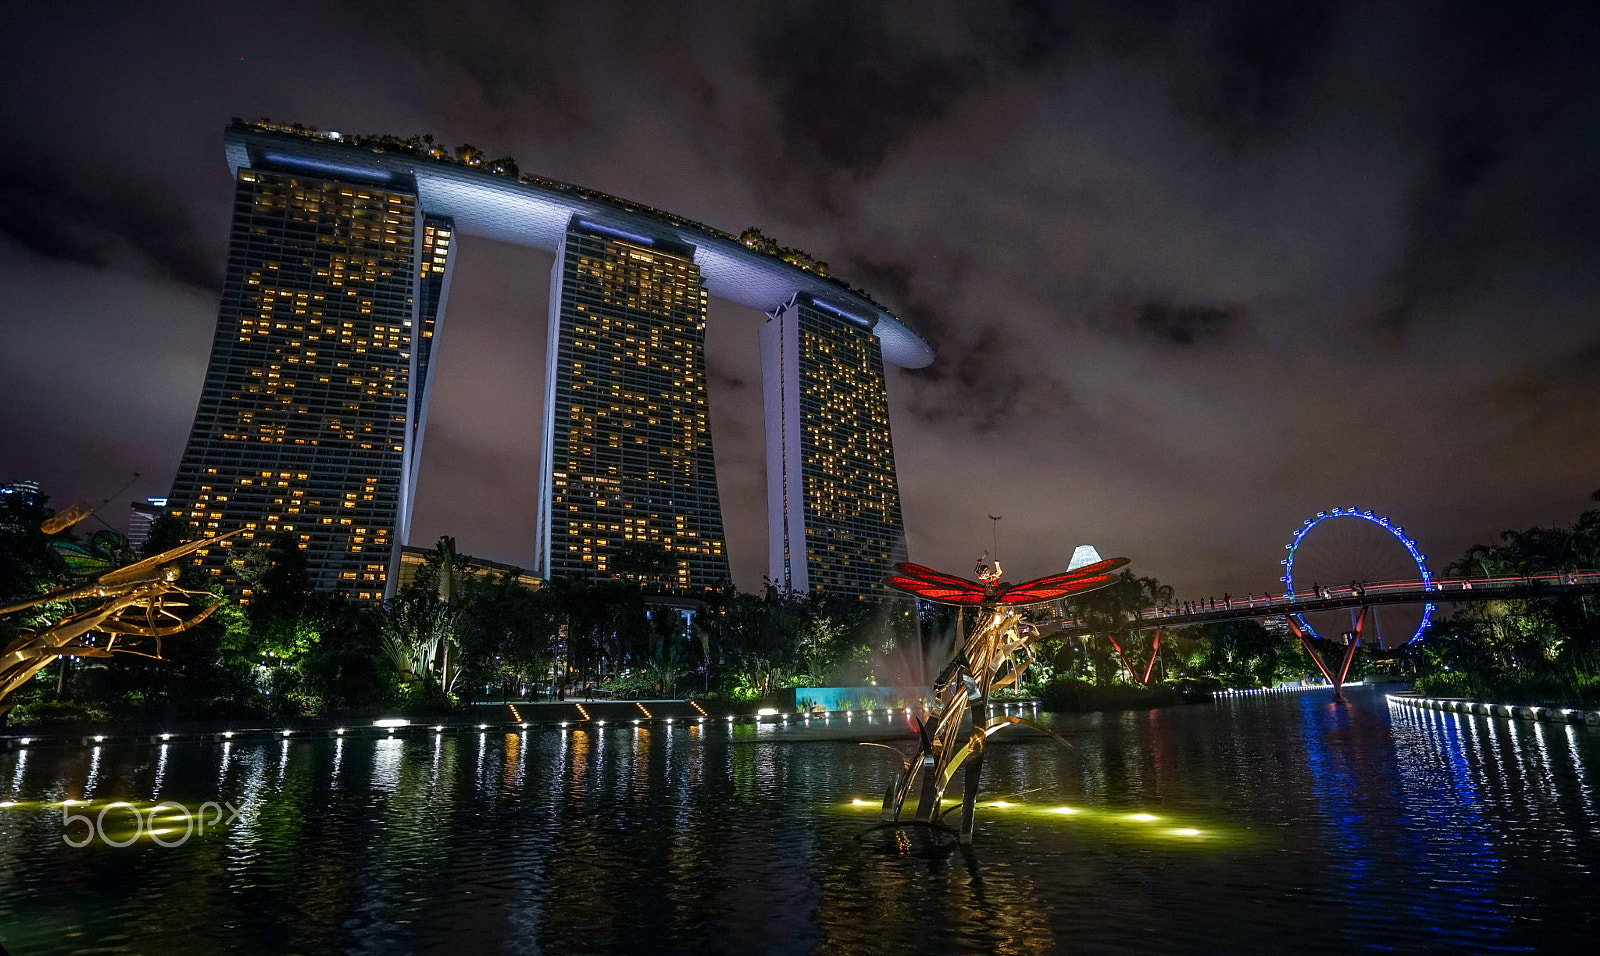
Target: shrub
43,710
1069,694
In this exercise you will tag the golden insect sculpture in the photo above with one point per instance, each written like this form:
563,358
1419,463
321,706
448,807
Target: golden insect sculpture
993,656
132,608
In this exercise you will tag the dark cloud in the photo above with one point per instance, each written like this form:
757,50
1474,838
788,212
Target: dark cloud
894,283
102,225
849,85
1186,324
1261,53
1513,75
853,81
1388,213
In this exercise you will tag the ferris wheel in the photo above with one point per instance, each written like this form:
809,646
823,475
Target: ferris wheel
1347,545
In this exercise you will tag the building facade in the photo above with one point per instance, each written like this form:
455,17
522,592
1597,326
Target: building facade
833,502
628,485
306,420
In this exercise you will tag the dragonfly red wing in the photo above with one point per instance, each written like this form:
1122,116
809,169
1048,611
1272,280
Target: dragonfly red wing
918,572
962,592
1087,571
1100,567
1054,586
1034,592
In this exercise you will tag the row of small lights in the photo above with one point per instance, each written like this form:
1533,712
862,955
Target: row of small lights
1559,715
1257,691
393,724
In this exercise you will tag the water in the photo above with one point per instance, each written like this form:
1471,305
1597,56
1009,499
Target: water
1251,825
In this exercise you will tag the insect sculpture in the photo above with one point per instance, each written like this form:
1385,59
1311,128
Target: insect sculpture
995,655
132,608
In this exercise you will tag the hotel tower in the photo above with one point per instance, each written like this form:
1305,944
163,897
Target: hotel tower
833,504
309,420
628,482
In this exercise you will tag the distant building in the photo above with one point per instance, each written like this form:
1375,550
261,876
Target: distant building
628,481
413,558
140,515
833,502
1083,556
19,495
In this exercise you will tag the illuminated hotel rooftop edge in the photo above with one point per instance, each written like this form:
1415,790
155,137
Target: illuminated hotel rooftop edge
535,212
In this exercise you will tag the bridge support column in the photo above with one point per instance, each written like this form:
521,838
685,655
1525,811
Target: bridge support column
1155,648
1112,637
1349,654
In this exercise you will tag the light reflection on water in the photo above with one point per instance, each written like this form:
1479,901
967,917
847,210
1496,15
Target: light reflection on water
1251,825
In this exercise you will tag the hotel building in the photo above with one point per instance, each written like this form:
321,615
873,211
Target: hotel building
314,408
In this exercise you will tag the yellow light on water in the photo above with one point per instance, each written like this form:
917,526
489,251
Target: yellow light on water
1000,803
857,802
1143,817
1065,810
1186,831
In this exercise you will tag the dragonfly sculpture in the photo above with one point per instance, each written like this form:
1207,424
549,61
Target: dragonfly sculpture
995,655
118,610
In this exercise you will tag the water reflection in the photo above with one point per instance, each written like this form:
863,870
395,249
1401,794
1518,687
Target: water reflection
1249,826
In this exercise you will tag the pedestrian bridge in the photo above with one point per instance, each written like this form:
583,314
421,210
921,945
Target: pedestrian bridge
1359,595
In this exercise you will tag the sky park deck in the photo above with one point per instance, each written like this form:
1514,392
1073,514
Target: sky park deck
533,211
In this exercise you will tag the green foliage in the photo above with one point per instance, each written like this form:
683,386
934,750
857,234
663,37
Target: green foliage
754,677
44,710
1543,651
1246,654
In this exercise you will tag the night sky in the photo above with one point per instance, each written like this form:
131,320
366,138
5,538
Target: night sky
1193,273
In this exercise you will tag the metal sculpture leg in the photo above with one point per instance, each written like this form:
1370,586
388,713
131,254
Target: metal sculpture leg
889,805
969,795
928,799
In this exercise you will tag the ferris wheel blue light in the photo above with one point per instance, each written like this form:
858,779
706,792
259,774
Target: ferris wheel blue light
1380,521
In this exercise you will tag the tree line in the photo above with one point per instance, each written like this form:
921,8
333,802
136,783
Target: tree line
455,635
